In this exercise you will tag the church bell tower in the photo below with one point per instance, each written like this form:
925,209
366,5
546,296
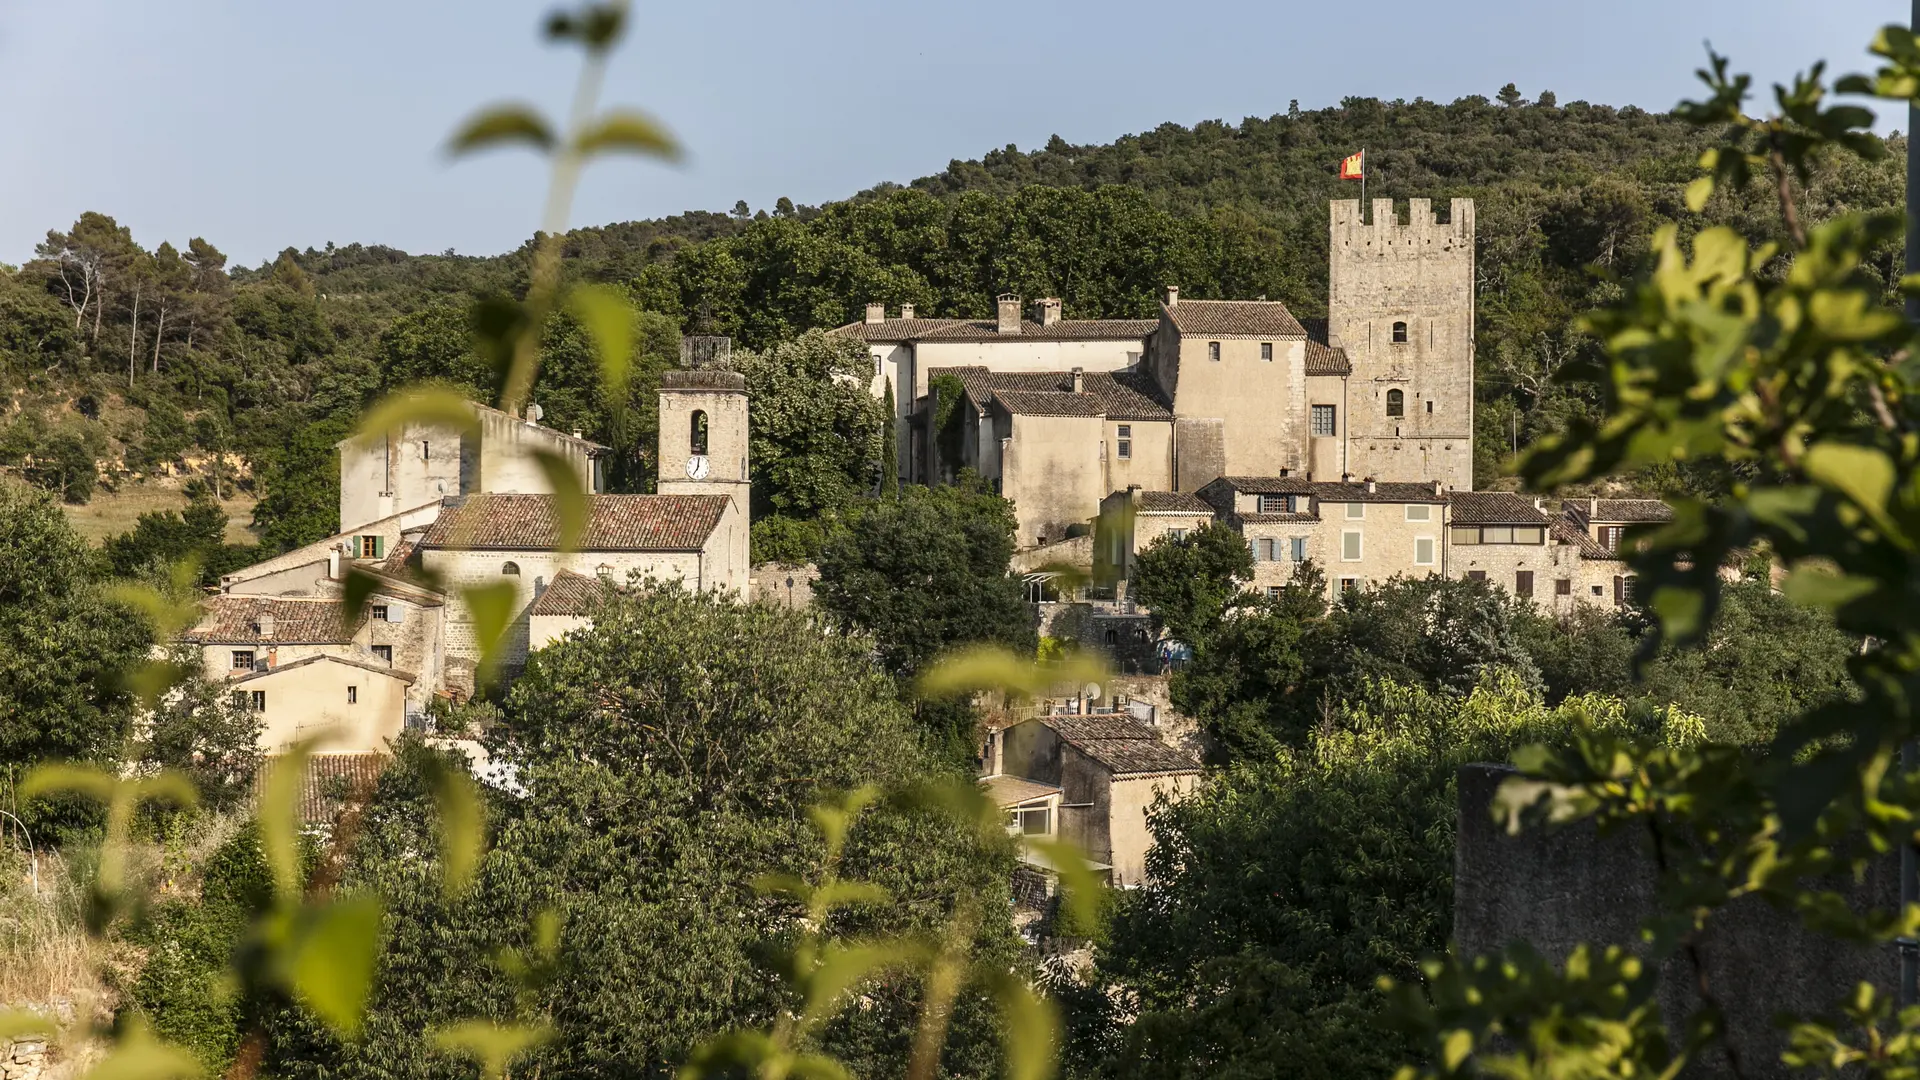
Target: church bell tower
703,435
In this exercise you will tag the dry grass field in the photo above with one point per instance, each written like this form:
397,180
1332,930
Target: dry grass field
109,513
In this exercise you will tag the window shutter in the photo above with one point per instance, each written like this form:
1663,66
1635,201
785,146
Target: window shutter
379,547
395,613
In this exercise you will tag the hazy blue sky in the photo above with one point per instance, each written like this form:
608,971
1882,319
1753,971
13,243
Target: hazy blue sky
266,123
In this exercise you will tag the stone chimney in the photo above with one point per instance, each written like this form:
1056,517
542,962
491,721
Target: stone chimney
333,564
1009,313
533,414
577,434
1079,381
1436,490
1049,311
1173,296
876,313
1370,487
906,311
266,625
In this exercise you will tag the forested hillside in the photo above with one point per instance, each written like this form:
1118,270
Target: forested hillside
125,356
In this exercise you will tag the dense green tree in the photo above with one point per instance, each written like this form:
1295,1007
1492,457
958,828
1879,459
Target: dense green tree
1190,581
653,786
65,649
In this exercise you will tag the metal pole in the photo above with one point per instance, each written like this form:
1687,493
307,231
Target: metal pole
1910,753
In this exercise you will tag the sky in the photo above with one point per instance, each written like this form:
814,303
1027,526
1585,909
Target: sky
263,124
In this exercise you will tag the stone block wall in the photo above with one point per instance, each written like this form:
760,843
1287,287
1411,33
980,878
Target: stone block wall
23,1059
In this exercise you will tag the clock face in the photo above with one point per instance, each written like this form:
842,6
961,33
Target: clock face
697,467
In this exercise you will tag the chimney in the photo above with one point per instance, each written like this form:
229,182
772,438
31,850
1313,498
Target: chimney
906,311
577,435
1536,504
1370,489
333,564
1009,313
1049,311
876,313
1079,382
1436,490
1173,296
533,414
266,625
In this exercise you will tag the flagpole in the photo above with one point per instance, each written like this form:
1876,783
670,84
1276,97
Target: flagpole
1363,183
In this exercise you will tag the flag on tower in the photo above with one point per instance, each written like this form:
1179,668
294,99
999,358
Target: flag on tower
1354,167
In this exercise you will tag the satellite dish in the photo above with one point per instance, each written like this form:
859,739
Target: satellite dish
1091,691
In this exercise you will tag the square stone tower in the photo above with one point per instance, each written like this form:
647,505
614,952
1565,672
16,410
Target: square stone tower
703,435
1400,302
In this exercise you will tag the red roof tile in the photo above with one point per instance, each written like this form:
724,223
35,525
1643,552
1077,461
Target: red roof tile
570,594
235,620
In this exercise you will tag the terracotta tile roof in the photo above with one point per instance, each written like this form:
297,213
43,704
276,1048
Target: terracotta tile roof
373,666
1565,530
614,523
1123,395
1170,502
235,620
1046,403
1121,744
1322,358
570,594
332,780
1278,519
1013,790
1495,508
1235,318
1631,510
1383,492
989,330
1267,485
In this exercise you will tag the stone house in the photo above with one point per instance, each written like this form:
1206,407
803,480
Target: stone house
1109,770
1596,527
1132,519
356,705
1060,414
564,606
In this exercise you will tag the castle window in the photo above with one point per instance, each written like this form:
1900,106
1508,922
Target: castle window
1429,407
1324,420
1563,587
697,432
511,569
1213,350
1399,333
353,695
1266,351
1396,403
1523,583
1124,445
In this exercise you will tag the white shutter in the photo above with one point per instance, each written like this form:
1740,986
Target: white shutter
396,612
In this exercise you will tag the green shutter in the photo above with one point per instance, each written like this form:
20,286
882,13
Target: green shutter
379,547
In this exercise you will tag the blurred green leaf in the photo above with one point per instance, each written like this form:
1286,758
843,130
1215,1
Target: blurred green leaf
1699,190
494,1045
990,667
628,130
570,502
137,1055
331,960
832,820
1083,892
493,606
462,824
96,784
1032,1026
17,1022
499,125
356,589
839,894
429,408
278,814
608,318
843,967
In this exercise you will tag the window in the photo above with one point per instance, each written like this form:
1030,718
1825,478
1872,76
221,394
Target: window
378,612
1299,549
1498,534
257,701
604,570
510,569
1619,591
1396,403
1324,420
1610,536
1476,575
1035,821
1177,534
1423,551
1350,546
1598,591
1349,584
1419,512
1523,583
697,432
1124,445
1399,333
1563,587
353,695
243,659
371,546
1429,407
383,653
1276,504
426,450
1266,351
239,698
1272,549
1529,534
1213,350
1273,592
1356,510
1466,537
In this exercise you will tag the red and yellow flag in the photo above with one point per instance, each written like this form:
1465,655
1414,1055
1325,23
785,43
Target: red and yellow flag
1354,167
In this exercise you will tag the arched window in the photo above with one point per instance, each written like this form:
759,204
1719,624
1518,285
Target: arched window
604,570
511,569
1399,333
698,432
1396,403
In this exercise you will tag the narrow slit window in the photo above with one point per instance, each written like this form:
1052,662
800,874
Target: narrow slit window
697,434
1266,351
1213,350
1399,333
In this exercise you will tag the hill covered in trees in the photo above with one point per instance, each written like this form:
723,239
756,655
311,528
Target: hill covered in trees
136,359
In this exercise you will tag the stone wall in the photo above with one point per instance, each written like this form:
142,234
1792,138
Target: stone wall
1555,889
779,583
23,1059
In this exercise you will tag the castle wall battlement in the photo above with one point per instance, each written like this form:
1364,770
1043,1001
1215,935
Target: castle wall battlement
1386,235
